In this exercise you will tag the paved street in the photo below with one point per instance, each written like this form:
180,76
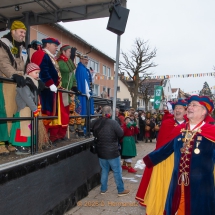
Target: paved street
110,203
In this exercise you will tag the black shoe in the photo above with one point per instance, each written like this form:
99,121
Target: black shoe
65,139
150,141
21,150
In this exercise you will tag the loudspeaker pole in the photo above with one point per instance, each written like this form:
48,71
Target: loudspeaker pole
116,76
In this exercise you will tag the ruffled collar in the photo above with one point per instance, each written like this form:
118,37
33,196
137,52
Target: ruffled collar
49,53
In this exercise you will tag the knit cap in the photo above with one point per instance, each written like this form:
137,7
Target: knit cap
17,25
32,67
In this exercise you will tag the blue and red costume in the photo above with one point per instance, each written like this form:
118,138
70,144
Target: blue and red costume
194,190
51,102
166,127
200,193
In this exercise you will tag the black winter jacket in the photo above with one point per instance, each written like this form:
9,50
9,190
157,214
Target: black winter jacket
108,135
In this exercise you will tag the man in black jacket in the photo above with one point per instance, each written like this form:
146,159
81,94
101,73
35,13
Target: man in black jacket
107,132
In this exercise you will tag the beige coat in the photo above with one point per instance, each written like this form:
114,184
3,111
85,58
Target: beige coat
9,89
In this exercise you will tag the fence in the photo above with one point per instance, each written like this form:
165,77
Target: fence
34,120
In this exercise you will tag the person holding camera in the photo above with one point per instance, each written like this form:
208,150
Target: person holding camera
67,70
107,132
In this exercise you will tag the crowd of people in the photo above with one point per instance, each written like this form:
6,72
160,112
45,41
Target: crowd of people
44,74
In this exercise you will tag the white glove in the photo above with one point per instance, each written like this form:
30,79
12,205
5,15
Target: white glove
53,88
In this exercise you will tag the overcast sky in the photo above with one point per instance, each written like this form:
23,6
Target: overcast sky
183,31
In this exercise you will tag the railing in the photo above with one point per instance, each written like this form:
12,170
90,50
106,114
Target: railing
34,120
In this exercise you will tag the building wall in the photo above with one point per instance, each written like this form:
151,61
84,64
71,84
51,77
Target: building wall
39,32
167,91
123,92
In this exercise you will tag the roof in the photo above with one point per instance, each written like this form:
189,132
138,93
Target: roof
153,81
36,12
174,90
76,37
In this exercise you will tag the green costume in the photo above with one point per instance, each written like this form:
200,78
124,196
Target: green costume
3,126
67,72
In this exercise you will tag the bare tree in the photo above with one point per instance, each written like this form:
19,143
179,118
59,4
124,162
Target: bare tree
146,93
136,64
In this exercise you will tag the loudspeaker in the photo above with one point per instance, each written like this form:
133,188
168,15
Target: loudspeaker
118,19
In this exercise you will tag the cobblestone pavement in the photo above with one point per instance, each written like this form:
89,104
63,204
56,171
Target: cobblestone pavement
110,203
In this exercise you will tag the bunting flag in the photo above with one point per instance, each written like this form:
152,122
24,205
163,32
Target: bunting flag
198,91
196,75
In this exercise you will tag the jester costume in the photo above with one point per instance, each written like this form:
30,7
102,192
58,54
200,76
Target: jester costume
52,103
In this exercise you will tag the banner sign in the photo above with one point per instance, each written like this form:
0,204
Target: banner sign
157,96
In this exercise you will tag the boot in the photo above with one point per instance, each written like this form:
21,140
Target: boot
71,128
146,141
151,141
11,148
80,131
79,127
3,150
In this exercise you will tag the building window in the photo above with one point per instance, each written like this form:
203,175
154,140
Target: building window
41,36
104,70
108,92
77,59
118,89
96,90
94,65
108,72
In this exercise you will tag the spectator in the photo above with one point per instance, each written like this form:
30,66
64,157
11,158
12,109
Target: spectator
20,135
121,116
108,131
117,116
136,119
13,59
141,125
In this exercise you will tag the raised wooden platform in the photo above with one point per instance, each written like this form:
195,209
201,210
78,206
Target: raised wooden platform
50,182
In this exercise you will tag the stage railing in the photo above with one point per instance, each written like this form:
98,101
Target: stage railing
34,120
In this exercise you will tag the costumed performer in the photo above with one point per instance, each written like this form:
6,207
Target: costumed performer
67,69
51,100
84,84
128,144
144,193
191,190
